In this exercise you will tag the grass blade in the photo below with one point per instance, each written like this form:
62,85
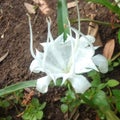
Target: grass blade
17,86
62,18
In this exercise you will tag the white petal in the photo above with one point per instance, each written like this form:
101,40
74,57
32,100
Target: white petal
42,84
57,57
36,65
79,83
39,55
101,62
83,60
60,39
86,40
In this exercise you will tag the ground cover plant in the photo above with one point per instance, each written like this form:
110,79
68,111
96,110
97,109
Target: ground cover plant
69,61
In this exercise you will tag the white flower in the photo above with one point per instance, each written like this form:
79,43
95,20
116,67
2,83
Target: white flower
118,3
67,60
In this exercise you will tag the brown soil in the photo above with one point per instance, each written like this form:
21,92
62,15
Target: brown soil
14,38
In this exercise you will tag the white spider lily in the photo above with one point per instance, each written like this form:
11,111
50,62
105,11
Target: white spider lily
67,60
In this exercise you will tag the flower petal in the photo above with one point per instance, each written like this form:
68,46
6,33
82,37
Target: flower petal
83,60
57,57
36,65
79,83
43,83
101,62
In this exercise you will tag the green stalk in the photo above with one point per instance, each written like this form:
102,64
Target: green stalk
116,56
62,18
17,86
110,115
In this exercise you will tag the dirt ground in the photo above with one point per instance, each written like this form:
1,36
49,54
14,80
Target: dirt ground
14,39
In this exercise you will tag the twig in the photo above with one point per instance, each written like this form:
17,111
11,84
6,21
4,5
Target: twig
116,56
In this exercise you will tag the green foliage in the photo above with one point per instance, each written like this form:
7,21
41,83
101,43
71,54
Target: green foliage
34,110
64,108
116,98
62,18
4,103
96,78
8,100
112,83
17,86
114,63
109,5
100,101
6,118
70,101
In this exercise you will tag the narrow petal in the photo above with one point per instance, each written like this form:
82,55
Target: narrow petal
83,60
36,65
43,83
101,62
49,36
79,83
86,40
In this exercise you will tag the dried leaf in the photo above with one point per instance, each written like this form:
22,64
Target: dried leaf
97,118
36,1
71,4
109,49
4,56
30,8
93,31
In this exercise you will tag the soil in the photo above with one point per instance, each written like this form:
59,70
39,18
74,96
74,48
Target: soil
14,39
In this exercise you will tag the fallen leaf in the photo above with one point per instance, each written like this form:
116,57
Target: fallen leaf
93,31
30,8
4,56
97,118
44,7
71,4
109,49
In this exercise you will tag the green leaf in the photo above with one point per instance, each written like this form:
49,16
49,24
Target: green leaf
4,103
115,64
35,102
64,108
118,105
42,106
95,76
62,18
112,83
58,82
116,94
101,86
39,115
70,95
17,86
34,110
100,101
110,115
